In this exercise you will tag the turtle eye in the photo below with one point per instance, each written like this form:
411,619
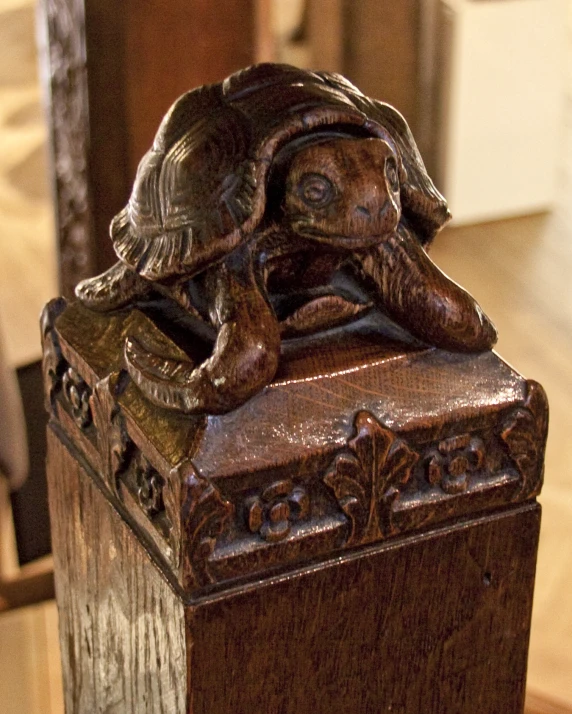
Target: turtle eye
392,173
316,190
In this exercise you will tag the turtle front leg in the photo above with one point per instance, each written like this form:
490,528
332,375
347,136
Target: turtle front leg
414,293
116,287
245,355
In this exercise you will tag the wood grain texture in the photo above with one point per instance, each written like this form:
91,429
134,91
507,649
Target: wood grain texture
432,624
445,627
121,626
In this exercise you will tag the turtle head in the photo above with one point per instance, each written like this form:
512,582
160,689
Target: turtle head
344,192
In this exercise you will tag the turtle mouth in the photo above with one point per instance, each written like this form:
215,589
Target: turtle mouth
349,241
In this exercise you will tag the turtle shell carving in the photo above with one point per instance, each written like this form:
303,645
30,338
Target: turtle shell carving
255,193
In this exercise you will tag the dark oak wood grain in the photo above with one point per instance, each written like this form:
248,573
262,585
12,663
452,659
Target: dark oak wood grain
433,622
380,439
384,631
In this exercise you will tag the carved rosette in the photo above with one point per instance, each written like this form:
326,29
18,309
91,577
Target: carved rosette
273,512
524,433
149,484
77,395
454,461
366,478
203,515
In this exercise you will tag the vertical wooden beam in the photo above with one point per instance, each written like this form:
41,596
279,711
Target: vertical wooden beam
382,43
112,70
326,34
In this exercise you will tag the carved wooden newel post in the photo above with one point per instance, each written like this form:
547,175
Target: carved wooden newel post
287,472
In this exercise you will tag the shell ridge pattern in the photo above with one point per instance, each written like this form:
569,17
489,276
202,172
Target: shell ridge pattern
341,198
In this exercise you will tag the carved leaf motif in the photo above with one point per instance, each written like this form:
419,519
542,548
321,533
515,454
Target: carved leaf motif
113,442
53,364
366,481
203,515
77,394
524,432
344,478
149,487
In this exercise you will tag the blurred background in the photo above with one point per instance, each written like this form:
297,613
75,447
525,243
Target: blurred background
486,86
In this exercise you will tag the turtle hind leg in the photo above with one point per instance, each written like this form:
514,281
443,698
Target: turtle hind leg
116,287
245,354
236,371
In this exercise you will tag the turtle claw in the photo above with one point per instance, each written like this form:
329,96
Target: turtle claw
166,381
116,287
181,385
414,293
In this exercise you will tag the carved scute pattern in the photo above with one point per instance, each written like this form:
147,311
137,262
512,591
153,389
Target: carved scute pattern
53,364
452,463
203,515
273,512
64,55
524,432
366,478
114,445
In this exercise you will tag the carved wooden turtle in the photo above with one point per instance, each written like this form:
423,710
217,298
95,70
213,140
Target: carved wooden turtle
256,192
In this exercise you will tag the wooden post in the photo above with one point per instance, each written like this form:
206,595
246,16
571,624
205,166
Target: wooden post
266,494
375,548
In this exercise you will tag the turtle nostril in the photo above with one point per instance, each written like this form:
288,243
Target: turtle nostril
365,211
386,208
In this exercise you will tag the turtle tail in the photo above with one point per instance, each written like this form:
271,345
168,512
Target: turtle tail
116,287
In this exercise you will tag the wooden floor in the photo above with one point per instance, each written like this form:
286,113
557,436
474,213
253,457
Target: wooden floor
518,269
521,272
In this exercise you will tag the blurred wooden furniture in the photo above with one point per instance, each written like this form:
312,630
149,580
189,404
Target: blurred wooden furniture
20,585
29,651
33,582
383,48
111,71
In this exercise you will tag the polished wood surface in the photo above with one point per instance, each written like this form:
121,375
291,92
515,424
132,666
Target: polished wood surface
277,204
531,257
263,479
533,337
